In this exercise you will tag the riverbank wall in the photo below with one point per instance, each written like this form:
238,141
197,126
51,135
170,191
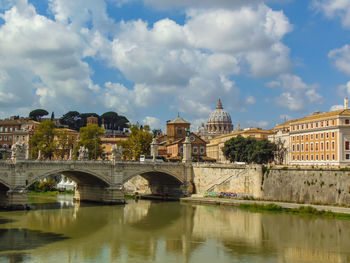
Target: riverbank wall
325,185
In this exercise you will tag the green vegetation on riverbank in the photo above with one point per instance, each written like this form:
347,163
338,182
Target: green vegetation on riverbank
305,210
51,192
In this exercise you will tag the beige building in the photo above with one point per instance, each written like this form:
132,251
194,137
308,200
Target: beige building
214,147
317,139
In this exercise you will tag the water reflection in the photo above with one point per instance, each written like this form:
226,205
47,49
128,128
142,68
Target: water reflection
170,232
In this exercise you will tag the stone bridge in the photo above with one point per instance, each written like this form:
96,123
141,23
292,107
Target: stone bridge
99,181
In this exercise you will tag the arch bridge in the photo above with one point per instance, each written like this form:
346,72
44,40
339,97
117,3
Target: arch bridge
99,181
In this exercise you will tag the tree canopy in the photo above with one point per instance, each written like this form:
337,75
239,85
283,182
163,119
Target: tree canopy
249,150
90,137
138,142
114,121
43,140
37,114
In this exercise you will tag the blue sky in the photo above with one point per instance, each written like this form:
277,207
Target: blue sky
150,59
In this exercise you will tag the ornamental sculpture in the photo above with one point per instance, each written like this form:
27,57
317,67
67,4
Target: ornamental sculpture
19,151
117,152
83,153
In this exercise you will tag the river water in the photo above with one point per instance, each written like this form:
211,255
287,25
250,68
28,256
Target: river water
58,230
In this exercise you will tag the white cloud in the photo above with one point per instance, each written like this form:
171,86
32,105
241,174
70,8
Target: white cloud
164,60
335,8
341,58
295,93
336,107
250,100
257,124
153,122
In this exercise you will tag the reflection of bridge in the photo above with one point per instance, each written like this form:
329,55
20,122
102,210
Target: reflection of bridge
99,181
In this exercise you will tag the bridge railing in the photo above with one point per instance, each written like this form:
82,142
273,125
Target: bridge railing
135,163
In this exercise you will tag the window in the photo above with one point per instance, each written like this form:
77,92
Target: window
298,147
307,157
327,123
347,156
321,123
327,146
312,157
333,157
327,157
307,126
306,137
321,135
181,149
347,121
10,138
10,129
298,157
316,146
302,127
312,125
0,138
327,135
333,145
195,149
202,149
316,136
311,147
347,146
302,157
316,124
302,137
293,147
293,157
322,157
302,147
316,157
306,147
179,131
321,146
5,129
17,138
333,135
5,138
311,136
1,129
293,138
24,138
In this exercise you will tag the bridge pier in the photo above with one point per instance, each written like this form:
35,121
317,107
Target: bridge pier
99,193
14,199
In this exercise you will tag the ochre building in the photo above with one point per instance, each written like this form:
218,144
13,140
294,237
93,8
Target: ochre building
214,147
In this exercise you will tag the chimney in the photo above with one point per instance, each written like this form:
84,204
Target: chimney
346,103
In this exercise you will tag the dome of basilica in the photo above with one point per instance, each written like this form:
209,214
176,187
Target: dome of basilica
219,121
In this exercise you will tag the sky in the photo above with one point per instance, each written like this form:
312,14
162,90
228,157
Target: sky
269,61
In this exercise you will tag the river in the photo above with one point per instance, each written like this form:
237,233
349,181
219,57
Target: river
59,230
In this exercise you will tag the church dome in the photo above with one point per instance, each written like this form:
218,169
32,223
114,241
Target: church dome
219,115
219,121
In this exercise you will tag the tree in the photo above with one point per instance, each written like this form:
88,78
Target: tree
90,137
114,121
43,140
64,143
249,150
37,114
138,142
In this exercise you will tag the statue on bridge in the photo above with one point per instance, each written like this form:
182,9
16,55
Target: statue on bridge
117,152
83,154
19,151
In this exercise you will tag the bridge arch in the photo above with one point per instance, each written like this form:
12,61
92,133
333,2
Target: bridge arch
155,172
80,176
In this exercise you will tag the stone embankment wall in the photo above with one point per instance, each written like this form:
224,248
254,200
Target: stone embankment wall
240,179
290,184
307,185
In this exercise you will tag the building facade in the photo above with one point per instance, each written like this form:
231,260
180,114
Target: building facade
214,148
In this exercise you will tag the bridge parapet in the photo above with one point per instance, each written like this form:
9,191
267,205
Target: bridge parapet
99,180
